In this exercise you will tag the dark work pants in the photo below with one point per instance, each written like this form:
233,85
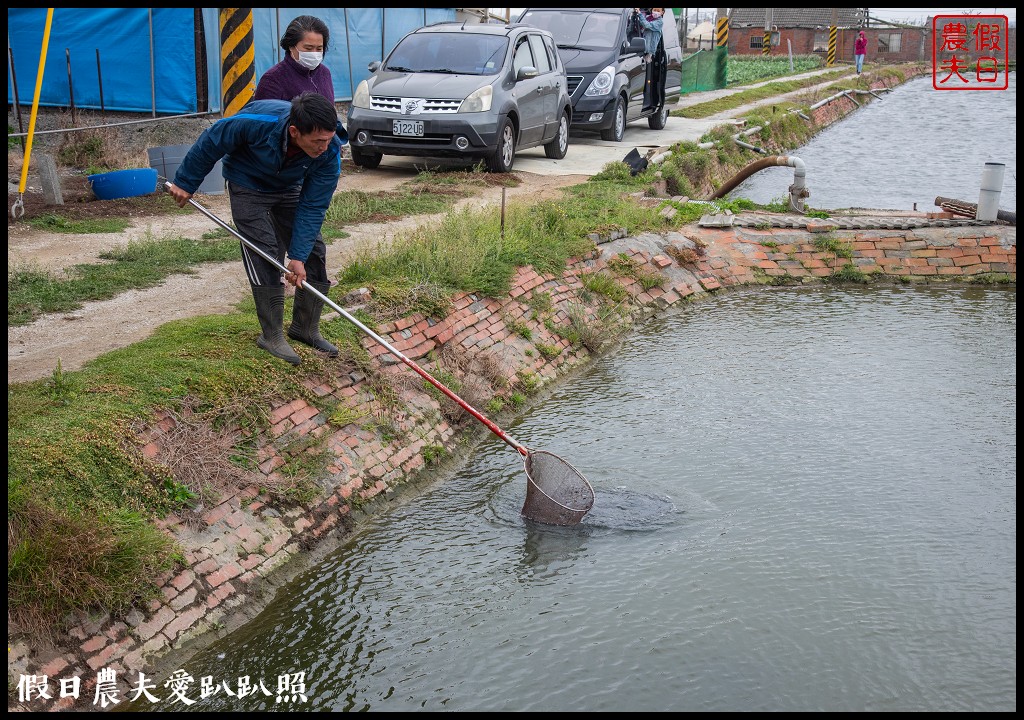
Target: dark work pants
266,219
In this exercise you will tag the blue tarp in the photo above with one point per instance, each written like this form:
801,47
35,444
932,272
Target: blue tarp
130,80
130,72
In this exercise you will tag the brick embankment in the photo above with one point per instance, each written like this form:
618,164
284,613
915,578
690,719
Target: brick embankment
241,541
245,544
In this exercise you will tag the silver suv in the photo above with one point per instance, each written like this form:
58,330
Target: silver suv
481,91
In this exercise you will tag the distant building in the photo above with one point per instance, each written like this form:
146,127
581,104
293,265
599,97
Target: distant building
701,37
806,31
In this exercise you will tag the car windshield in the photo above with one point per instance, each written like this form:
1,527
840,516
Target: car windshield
453,53
595,30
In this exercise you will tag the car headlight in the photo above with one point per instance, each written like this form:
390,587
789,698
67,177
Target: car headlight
602,84
478,100
361,98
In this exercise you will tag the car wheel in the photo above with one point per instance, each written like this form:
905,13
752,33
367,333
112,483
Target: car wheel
560,144
366,158
505,154
618,128
659,119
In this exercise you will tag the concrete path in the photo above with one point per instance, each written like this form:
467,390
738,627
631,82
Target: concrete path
588,153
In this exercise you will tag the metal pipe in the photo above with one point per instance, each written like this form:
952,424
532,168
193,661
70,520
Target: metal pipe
99,78
14,87
71,86
705,145
797,191
851,99
127,122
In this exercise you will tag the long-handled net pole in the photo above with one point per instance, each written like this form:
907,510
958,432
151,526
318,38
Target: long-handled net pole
307,287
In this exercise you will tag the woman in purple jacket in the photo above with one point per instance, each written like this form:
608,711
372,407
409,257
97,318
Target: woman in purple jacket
302,70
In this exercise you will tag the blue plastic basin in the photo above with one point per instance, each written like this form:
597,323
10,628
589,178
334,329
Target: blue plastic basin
123,183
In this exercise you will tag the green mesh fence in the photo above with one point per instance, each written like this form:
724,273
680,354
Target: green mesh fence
705,70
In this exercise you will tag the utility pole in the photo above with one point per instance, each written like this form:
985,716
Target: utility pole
721,47
833,32
684,29
766,44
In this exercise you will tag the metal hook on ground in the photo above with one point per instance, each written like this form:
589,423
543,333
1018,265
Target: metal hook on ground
18,208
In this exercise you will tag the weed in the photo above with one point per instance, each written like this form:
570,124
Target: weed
848,274
604,284
433,454
495,405
53,222
830,243
530,382
991,279
346,415
548,351
770,244
623,264
518,328
540,302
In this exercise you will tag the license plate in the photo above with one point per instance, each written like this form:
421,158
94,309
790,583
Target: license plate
409,128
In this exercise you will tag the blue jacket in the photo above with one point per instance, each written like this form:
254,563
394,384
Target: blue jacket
652,33
253,144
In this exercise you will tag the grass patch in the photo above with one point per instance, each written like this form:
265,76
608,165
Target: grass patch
141,264
78,483
830,243
604,284
518,328
991,279
549,352
762,92
53,222
848,274
467,253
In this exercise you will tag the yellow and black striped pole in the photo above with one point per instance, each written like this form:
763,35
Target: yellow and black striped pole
721,49
833,34
722,33
766,44
237,59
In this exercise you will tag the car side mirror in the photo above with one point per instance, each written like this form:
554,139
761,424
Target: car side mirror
526,73
635,45
374,66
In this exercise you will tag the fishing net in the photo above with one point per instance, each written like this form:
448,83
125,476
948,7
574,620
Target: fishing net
556,492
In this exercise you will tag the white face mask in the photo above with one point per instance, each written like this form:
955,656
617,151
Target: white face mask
311,60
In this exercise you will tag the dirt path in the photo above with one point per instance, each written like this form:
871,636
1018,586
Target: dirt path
99,327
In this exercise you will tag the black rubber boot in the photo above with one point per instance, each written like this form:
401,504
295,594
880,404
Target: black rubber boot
306,319
270,310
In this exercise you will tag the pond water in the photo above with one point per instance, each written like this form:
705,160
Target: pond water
913,145
806,501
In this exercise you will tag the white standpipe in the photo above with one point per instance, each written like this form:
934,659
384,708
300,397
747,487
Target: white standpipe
798,191
991,189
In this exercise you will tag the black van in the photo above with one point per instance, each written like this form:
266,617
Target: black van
610,82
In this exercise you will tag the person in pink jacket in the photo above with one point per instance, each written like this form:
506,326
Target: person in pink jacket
859,49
